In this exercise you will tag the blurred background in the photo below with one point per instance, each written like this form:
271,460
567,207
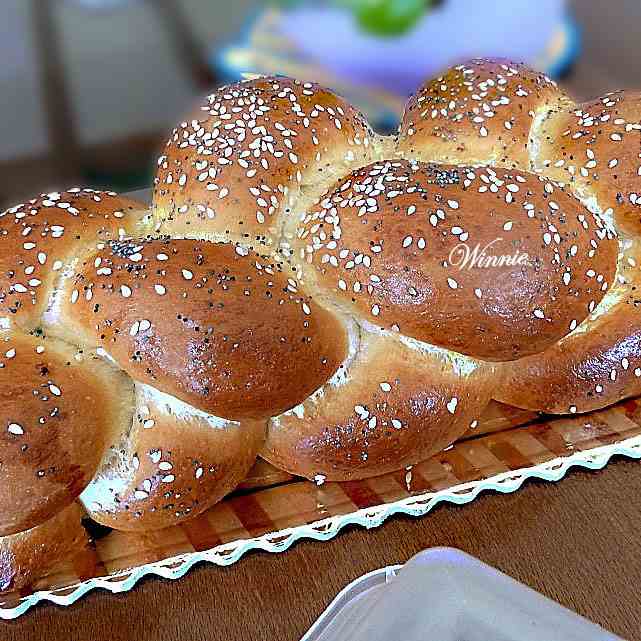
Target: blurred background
90,88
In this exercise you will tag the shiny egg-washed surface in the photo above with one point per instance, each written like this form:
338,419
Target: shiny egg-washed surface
295,292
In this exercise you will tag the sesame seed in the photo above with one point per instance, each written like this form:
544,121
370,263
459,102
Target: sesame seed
451,406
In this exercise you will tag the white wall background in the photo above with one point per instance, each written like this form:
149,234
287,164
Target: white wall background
123,74
22,130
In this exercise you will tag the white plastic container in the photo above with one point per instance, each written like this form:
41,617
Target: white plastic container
442,594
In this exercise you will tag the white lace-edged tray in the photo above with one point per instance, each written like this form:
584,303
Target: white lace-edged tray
274,510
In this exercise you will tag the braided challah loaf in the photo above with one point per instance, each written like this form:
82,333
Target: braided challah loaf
300,290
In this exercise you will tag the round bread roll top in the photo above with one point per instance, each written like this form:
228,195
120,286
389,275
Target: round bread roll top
478,112
219,327
59,408
173,464
595,147
233,169
397,402
43,237
496,264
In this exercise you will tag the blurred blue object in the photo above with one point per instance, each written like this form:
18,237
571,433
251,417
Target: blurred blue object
324,43
454,31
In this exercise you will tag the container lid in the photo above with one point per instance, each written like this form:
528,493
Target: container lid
447,595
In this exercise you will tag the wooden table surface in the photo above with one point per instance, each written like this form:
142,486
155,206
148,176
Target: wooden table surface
577,541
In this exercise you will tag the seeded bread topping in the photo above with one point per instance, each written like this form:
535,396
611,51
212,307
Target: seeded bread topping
341,303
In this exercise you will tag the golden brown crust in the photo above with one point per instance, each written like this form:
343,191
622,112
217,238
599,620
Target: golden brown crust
595,147
236,164
232,334
348,389
41,238
58,409
481,111
27,556
395,403
395,242
597,365
583,372
173,464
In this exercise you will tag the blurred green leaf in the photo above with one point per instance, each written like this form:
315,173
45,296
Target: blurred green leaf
388,17
380,17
